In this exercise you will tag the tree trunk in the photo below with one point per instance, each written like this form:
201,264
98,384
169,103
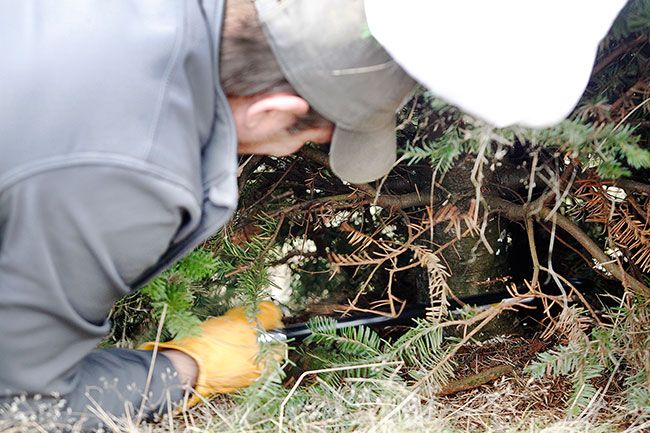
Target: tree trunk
474,269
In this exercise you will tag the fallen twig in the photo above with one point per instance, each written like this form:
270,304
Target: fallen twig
475,380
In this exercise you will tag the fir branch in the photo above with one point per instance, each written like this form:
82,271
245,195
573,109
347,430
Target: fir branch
360,342
519,213
624,47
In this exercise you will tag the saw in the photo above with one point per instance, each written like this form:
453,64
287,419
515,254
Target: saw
299,331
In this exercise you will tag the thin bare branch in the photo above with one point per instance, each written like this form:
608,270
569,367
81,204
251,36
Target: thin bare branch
518,213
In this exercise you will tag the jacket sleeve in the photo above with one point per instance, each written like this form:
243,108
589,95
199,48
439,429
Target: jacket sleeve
71,242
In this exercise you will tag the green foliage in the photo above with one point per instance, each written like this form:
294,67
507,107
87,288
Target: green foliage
360,342
576,361
611,149
441,153
604,353
244,264
635,18
421,349
173,290
328,347
637,392
197,266
237,268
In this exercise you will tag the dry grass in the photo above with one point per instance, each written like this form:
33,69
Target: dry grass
510,404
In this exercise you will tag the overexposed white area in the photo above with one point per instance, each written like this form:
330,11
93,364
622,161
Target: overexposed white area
507,62
280,275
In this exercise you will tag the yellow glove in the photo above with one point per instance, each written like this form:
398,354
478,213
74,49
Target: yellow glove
226,349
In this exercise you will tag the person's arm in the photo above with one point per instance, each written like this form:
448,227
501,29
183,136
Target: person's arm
71,242
184,365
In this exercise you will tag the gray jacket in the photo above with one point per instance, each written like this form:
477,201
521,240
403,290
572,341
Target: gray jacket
117,156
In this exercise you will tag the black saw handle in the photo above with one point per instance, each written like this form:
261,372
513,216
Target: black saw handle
299,331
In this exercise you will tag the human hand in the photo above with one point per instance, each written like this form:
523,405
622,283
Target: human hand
225,349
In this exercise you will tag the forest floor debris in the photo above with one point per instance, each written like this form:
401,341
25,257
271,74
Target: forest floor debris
510,403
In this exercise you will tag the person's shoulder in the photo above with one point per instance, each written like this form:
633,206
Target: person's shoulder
106,77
